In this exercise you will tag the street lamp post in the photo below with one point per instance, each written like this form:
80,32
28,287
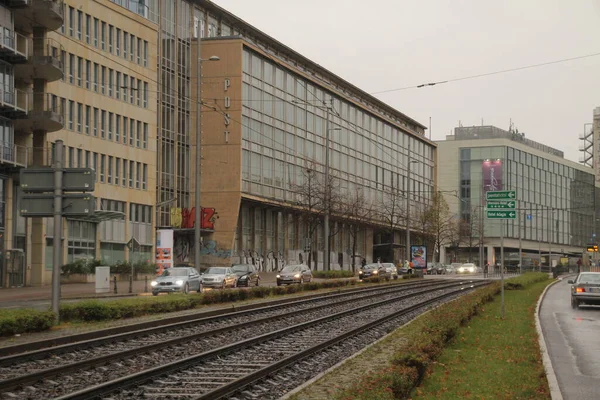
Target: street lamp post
197,202
408,204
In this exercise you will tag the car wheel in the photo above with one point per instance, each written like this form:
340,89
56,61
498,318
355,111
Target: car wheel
278,284
186,288
574,302
154,293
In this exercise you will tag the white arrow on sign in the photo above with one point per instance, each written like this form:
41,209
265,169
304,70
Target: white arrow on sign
512,214
512,195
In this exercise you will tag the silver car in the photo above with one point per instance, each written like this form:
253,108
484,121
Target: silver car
219,277
177,279
294,274
585,289
391,270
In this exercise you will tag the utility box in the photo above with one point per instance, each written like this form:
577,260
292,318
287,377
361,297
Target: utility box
102,279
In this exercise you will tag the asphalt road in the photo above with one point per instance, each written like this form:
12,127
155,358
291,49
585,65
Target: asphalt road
572,339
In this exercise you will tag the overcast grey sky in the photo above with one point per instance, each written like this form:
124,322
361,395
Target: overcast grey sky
385,44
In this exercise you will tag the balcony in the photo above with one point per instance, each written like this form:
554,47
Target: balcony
14,47
15,155
44,114
43,62
18,3
46,14
14,103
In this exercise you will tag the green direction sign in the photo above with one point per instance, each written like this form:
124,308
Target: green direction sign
501,195
501,214
42,205
501,205
39,180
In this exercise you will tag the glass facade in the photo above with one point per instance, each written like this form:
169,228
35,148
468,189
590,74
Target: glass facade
555,201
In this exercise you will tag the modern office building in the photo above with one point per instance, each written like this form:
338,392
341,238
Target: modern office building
555,197
116,81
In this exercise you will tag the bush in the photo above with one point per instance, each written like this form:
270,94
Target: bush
524,281
24,320
82,266
333,274
424,345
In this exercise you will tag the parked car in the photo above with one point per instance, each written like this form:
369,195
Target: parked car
247,274
403,269
177,279
294,274
585,289
219,277
467,268
435,268
374,270
390,270
450,269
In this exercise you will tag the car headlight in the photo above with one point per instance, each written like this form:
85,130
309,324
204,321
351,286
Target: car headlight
153,283
375,272
360,272
278,276
297,276
179,282
243,277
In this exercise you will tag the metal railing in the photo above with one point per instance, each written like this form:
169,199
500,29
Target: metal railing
15,154
14,98
15,42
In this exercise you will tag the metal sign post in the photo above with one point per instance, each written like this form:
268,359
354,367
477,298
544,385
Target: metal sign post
57,248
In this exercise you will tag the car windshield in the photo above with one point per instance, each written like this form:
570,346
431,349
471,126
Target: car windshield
175,272
241,268
589,278
291,268
217,270
371,266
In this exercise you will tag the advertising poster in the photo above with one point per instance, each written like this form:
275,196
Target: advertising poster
164,249
492,175
418,256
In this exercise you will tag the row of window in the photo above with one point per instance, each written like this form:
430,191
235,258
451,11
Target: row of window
112,126
137,212
109,169
98,33
100,79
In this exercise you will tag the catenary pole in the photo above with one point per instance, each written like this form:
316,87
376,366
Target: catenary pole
57,241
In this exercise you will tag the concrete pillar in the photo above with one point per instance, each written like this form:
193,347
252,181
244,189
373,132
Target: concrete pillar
491,255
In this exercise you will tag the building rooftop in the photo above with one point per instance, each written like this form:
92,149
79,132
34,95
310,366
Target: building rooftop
492,132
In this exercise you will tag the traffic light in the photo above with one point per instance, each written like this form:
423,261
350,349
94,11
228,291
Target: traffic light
592,248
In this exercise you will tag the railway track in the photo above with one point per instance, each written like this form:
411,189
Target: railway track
264,366
59,370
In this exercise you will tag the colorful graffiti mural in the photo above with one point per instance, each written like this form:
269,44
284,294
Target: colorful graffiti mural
185,218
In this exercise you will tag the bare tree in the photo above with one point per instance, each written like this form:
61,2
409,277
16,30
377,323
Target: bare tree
470,229
357,214
392,214
439,225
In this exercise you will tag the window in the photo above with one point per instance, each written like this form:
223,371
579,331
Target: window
124,87
111,31
79,70
138,133
103,80
137,175
110,125
63,60
79,158
102,36
103,124
71,67
88,27
131,172
145,137
79,24
110,82
79,116
132,48
102,165
71,157
139,51
145,94
117,170
71,20
95,163
88,73
145,53
87,159
131,89
125,45
88,112
118,86
118,42
110,169
95,123
125,125
96,73
118,128
124,180
138,91
131,131
96,26
145,177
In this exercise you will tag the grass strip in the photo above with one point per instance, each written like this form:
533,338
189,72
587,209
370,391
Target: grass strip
493,358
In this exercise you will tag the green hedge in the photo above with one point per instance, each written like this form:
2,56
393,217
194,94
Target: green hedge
525,280
333,274
24,320
424,344
85,266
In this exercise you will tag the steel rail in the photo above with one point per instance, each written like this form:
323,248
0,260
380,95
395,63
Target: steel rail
142,377
33,377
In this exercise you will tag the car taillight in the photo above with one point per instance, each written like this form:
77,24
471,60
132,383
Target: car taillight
579,290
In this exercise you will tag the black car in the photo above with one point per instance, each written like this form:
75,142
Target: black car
374,270
247,274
